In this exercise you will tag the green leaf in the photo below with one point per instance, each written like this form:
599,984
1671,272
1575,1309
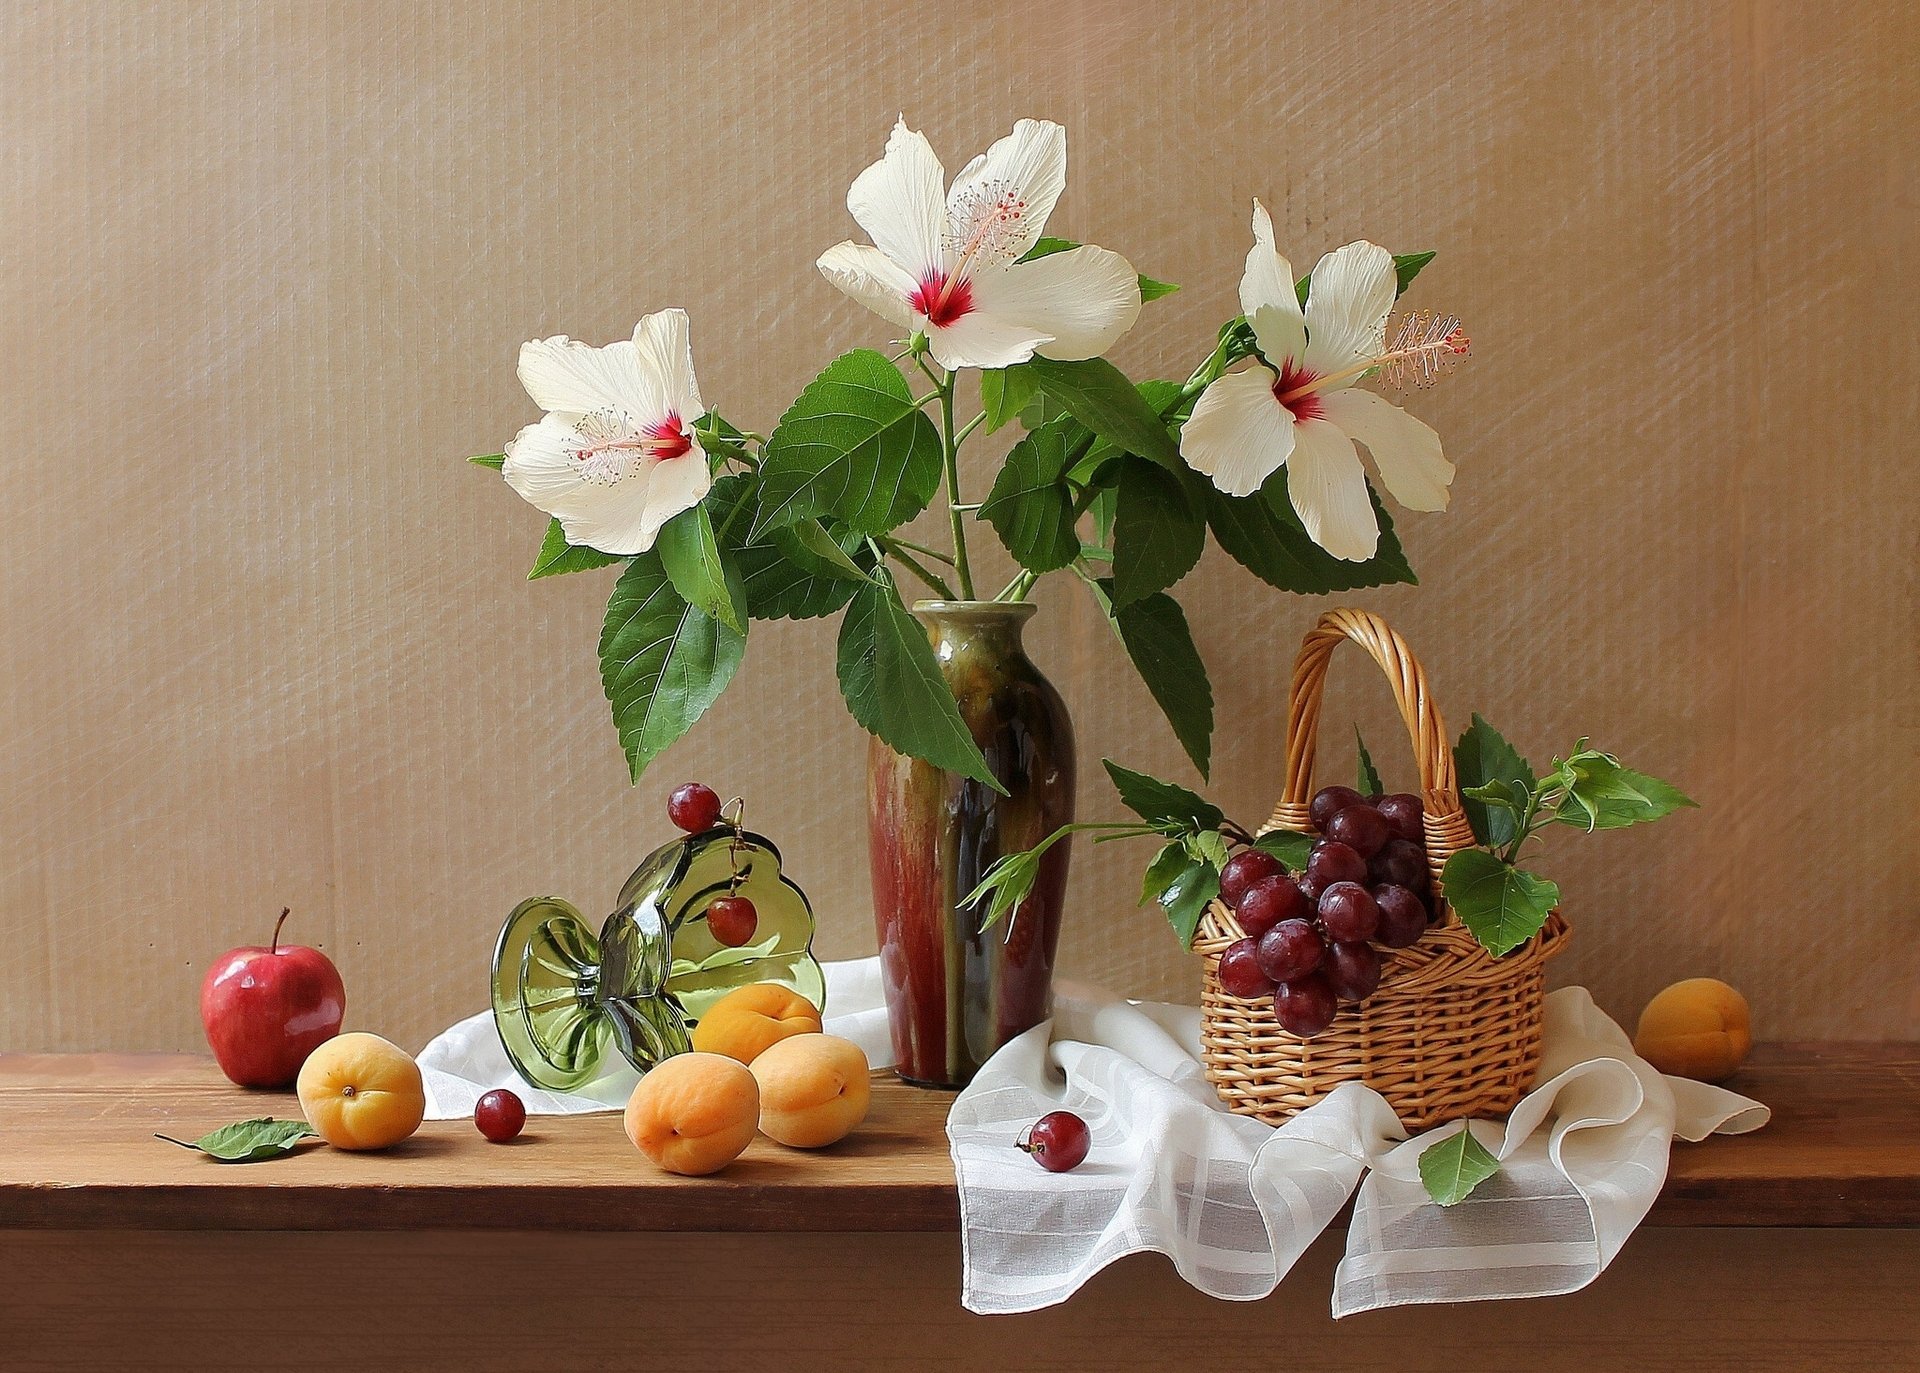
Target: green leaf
1502,906
691,555
1369,784
799,572
1185,898
1483,755
1158,535
893,685
1290,848
1169,863
1264,535
853,446
250,1141
1005,392
1097,394
1451,1169
1606,796
494,460
1207,846
1155,634
1154,290
1154,800
719,439
1406,266
1030,507
662,661
557,555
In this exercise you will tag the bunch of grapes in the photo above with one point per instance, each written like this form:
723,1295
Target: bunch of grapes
1311,938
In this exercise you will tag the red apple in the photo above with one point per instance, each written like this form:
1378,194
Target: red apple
266,1009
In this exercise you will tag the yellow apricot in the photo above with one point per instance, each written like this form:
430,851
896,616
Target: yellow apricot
1698,1028
694,1113
360,1091
744,1022
814,1089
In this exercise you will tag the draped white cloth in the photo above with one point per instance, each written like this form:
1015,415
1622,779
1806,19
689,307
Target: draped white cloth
1234,1203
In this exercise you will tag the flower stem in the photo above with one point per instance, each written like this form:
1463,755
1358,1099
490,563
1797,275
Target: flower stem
906,560
922,549
950,450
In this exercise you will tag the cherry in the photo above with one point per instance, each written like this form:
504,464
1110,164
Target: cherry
1246,870
1402,812
1240,973
1306,1007
1289,950
499,1115
1348,913
1270,902
1058,1141
1353,971
1361,828
1330,862
1403,916
694,807
731,920
1329,802
1402,862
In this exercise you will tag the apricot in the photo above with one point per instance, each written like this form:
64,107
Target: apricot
694,1113
359,1091
814,1089
1698,1028
743,1023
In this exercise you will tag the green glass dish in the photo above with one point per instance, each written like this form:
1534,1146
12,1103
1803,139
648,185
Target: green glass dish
564,998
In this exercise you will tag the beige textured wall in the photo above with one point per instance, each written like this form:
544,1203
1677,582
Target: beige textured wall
264,638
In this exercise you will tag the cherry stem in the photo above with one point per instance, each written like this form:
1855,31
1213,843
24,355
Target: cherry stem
285,911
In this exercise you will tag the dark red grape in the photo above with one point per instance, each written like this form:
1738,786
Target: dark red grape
1402,862
1246,870
1402,813
1290,950
1403,916
1058,1141
1347,913
1305,1007
732,920
1353,970
499,1115
1240,973
1361,829
693,807
1329,802
1330,862
1270,902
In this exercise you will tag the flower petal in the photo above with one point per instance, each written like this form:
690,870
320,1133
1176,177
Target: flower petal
1347,304
1238,434
540,463
1328,488
1406,451
666,362
573,378
1267,295
1027,168
899,201
674,485
981,339
1084,299
873,279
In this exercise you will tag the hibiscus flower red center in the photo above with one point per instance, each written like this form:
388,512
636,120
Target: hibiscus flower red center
1294,389
942,298
669,438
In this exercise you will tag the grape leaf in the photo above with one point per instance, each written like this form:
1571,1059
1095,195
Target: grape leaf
557,556
1289,847
1606,796
1155,634
1369,784
893,687
1482,756
1156,801
1169,863
1158,535
250,1141
1030,507
691,556
1451,1169
1502,906
1185,898
1263,534
662,661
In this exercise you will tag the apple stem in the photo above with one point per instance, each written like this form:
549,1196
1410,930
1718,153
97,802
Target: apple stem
285,911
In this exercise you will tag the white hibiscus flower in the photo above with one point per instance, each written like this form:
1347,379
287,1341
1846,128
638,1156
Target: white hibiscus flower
1299,410
615,457
946,262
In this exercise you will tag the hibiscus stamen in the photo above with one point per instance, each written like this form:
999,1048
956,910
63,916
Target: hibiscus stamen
1424,348
610,437
984,224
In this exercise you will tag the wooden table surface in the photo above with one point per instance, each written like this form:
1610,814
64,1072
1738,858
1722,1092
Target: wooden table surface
77,1152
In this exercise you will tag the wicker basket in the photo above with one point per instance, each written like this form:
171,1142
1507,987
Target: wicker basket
1452,1031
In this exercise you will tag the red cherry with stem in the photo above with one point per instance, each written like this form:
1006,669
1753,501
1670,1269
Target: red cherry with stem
1402,812
1240,974
1403,916
1306,1007
1329,802
1353,970
1361,828
1246,870
1058,1141
499,1114
1270,902
732,920
694,807
1289,950
1348,913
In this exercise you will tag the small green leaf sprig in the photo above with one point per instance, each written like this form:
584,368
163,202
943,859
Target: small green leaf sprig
250,1141
1502,904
